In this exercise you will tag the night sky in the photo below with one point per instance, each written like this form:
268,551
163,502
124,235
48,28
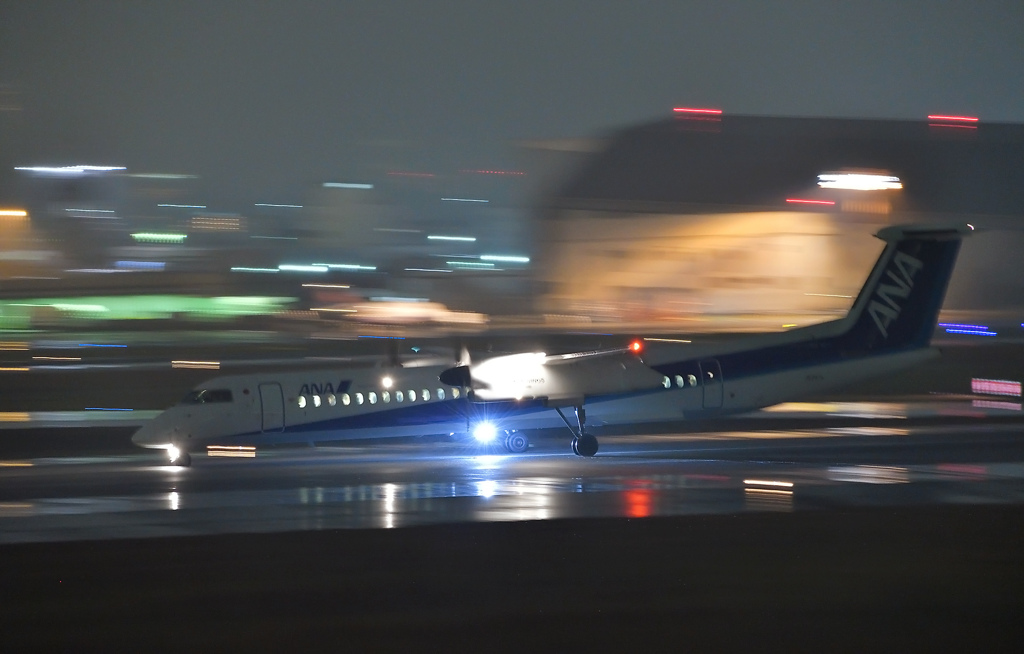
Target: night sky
264,99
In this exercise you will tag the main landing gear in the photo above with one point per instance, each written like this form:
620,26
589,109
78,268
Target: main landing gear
583,444
517,442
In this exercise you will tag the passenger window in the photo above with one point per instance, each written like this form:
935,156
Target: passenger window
399,396
302,401
372,397
440,393
331,400
412,395
316,401
359,398
345,399
385,397
679,381
692,379
666,382
426,395
455,393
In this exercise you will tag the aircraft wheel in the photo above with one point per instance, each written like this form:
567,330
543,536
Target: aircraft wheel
517,442
576,445
585,445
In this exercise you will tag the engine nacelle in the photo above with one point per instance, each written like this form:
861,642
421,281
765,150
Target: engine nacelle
534,375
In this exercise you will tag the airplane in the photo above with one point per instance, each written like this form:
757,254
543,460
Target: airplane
887,329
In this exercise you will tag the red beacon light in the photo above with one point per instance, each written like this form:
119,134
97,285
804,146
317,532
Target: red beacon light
635,346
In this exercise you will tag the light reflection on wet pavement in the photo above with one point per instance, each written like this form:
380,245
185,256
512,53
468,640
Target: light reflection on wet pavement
400,485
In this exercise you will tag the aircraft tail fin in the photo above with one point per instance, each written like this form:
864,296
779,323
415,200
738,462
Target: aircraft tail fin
899,304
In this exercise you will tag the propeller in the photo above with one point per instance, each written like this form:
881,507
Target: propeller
458,375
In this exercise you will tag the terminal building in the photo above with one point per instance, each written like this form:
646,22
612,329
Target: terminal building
705,214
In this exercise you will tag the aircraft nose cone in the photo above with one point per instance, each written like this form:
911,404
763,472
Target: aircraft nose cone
141,436
150,435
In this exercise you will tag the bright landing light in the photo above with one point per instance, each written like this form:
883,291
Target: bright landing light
484,432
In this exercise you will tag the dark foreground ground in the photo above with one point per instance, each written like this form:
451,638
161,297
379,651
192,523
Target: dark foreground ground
915,579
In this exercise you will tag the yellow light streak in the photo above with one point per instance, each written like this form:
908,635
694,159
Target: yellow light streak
197,365
11,346
7,369
14,416
231,451
16,464
764,482
668,340
58,358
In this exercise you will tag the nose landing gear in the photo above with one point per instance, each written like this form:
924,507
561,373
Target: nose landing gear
583,444
178,457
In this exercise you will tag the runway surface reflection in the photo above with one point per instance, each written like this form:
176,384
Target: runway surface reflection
392,485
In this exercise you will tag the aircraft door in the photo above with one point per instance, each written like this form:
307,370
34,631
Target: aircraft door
711,382
272,400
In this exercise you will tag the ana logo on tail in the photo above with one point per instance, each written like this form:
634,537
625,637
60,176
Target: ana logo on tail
885,309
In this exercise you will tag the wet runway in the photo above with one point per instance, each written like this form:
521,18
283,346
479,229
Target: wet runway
385,485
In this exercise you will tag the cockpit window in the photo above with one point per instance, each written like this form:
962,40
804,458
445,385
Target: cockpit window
194,397
207,396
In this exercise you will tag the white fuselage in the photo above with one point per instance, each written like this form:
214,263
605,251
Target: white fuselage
325,405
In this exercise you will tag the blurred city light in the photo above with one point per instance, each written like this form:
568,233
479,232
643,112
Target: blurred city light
68,170
346,266
697,111
802,201
859,181
502,257
153,237
996,387
165,176
470,264
966,119
364,187
196,365
294,267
